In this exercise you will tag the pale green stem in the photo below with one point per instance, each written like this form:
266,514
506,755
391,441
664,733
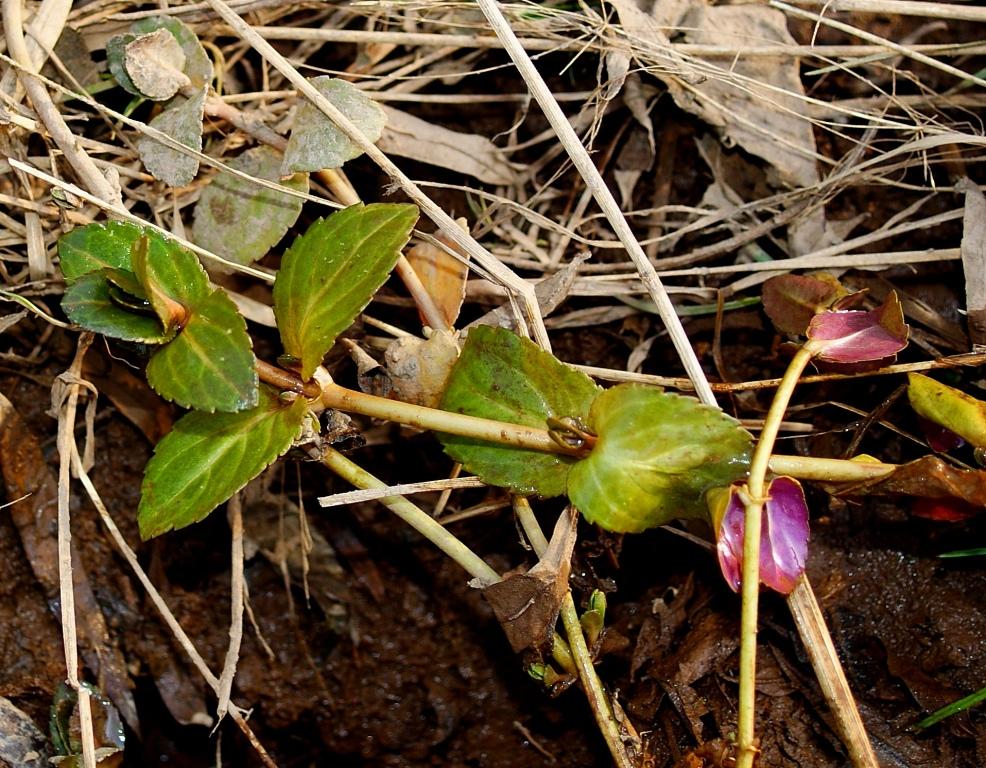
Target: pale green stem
500,432
591,684
417,518
746,725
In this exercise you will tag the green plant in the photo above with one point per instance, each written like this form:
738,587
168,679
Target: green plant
629,457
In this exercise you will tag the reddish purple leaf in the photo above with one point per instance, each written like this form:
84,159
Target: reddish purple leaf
783,536
791,301
853,336
943,510
940,439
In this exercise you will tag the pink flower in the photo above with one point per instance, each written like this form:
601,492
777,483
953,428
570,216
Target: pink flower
783,534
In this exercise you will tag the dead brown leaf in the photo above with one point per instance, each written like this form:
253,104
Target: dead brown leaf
929,477
25,473
443,275
419,368
527,604
409,136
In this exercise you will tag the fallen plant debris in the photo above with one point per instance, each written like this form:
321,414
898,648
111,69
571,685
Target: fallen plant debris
208,235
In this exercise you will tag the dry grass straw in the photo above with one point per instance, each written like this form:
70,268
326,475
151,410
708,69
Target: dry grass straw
535,224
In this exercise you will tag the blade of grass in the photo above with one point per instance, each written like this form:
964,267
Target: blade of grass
952,709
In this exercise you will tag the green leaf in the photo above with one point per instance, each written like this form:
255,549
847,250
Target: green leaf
207,458
173,280
331,272
504,377
88,303
116,49
315,142
240,220
951,408
209,366
95,246
655,456
182,121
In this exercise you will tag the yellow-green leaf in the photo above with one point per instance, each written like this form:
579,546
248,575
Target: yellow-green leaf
951,408
656,455
331,272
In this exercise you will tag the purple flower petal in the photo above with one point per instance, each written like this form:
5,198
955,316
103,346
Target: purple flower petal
784,539
783,536
729,543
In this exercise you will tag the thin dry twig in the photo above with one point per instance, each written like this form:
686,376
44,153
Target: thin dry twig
237,587
828,671
235,712
68,394
594,181
407,489
444,222
48,112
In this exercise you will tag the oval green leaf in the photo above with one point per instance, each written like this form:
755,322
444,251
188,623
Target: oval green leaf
316,143
88,303
240,220
96,246
210,365
656,455
207,458
951,408
502,376
331,272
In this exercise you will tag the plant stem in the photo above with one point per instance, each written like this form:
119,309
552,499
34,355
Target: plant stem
530,438
533,438
286,381
591,684
417,518
746,725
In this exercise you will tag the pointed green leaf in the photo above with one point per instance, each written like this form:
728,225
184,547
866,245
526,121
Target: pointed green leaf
207,458
182,121
172,279
240,220
951,408
209,366
501,376
331,272
95,246
656,455
316,143
88,302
